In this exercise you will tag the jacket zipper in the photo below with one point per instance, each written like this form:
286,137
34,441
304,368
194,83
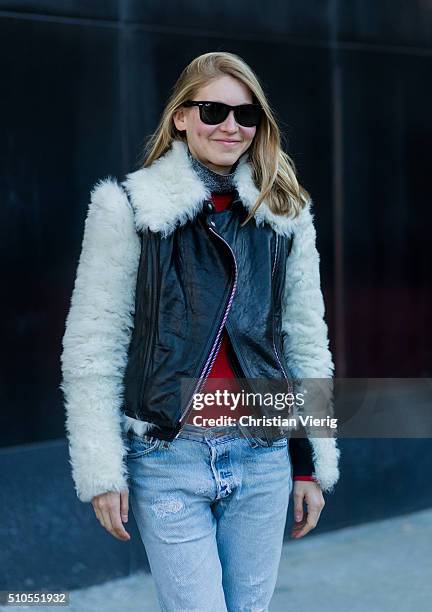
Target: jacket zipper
218,340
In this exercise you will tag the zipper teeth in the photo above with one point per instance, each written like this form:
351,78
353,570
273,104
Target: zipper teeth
215,354
216,344
281,367
290,387
275,255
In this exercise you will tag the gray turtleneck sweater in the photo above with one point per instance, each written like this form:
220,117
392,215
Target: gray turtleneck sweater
217,183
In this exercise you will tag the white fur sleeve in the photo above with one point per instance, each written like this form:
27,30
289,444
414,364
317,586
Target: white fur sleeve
95,343
305,334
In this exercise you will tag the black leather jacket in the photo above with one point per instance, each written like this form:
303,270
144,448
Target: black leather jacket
208,273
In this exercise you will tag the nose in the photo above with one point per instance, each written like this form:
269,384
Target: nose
230,124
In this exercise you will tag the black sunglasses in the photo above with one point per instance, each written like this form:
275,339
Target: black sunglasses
212,113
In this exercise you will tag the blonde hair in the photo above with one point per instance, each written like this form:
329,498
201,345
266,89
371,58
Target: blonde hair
273,171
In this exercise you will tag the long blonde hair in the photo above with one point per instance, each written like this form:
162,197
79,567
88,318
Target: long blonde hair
273,171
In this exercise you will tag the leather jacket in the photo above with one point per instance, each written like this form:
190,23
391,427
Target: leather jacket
208,273
160,274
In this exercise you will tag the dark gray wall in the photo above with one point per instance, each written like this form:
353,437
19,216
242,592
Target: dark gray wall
83,84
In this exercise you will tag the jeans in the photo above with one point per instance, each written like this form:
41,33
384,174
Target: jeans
211,509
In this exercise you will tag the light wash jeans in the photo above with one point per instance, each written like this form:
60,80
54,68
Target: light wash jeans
211,509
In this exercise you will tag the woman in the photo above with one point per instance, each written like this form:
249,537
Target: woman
200,266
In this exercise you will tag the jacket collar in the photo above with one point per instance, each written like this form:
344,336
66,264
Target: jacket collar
170,193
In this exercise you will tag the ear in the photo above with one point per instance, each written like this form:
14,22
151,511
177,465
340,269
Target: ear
179,118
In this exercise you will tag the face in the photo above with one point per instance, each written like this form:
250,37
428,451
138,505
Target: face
206,142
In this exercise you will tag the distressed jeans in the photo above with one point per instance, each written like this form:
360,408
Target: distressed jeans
211,509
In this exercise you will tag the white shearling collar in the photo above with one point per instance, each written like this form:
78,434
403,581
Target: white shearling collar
170,193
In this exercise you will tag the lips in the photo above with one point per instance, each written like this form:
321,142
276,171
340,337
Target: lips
228,141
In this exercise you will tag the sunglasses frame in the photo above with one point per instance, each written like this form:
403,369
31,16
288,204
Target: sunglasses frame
201,103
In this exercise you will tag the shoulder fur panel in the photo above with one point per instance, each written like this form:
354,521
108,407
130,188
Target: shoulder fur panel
170,193
167,193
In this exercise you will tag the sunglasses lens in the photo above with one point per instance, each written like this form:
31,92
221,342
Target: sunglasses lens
213,113
248,115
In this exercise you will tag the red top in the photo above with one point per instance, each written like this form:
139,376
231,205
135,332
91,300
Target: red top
221,366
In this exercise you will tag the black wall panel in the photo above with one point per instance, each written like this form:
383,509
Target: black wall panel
62,130
235,19
387,215
95,9
403,23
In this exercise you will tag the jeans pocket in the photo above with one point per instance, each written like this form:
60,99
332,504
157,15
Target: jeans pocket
142,445
278,443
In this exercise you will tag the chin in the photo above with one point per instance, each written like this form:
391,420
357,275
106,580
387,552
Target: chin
225,155
225,160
